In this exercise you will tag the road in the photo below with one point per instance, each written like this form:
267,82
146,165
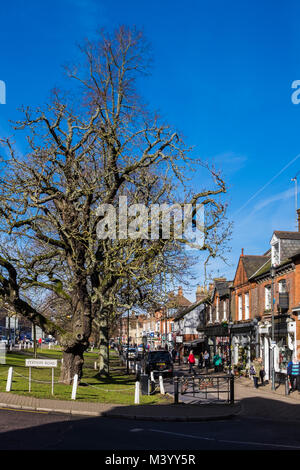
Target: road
21,430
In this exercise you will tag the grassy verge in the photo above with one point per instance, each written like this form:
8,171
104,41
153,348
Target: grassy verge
117,389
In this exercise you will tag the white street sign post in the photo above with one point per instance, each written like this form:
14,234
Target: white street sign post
9,379
74,389
50,363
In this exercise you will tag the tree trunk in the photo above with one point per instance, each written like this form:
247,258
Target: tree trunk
104,348
72,364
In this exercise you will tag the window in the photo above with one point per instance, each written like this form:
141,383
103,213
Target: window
224,310
282,286
217,310
210,314
240,307
275,254
247,311
268,298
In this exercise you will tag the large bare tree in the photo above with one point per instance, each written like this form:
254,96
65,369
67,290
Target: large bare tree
85,149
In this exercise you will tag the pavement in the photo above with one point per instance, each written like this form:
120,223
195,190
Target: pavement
262,402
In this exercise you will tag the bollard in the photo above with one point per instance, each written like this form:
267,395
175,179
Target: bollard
287,392
20,346
152,376
9,379
137,393
161,385
231,389
95,365
176,390
74,389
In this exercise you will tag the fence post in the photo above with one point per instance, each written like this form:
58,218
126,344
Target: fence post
161,385
231,389
74,389
9,379
137,393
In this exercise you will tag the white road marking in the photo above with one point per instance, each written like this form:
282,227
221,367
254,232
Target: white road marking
136,430
191,436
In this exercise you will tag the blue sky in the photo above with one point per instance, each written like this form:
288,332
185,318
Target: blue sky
222,74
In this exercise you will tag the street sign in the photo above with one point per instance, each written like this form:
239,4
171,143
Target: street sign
41,362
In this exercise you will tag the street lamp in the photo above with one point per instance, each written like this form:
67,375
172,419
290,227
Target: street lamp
272,271
230,325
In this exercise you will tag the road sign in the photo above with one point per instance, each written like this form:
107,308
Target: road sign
41,362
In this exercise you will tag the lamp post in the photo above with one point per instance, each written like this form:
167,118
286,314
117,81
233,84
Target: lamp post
230,324
272,271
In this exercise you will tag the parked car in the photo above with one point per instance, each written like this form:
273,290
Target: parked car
132,353
159,362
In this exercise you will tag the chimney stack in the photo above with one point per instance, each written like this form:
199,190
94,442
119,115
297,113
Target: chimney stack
180,292
242,252
298,212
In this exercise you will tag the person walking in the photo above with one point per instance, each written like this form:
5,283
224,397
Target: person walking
255,369
262,372
293,371
217,361
174,354
191,361
200,361
206,361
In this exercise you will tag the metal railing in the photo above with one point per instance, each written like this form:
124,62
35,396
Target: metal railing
205,388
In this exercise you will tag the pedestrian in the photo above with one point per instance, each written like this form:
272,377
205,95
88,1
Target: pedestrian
262,372
174,354
200,360
293,371
206,361
255,369
217,361
191,361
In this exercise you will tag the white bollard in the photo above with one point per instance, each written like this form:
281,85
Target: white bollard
9,379
49,345
137,393
95,365
152,376
20,346
161,385
74,389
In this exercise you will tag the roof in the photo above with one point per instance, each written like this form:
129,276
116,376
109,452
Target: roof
287,235
252,263
222,287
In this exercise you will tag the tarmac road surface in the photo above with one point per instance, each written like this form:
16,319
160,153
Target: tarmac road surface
27,430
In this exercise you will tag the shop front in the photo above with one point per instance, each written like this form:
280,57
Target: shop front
244,342
217,341
284,347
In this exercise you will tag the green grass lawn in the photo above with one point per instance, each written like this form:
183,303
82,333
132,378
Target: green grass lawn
119,388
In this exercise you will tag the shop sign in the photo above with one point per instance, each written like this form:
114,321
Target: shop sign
179,339
264,330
